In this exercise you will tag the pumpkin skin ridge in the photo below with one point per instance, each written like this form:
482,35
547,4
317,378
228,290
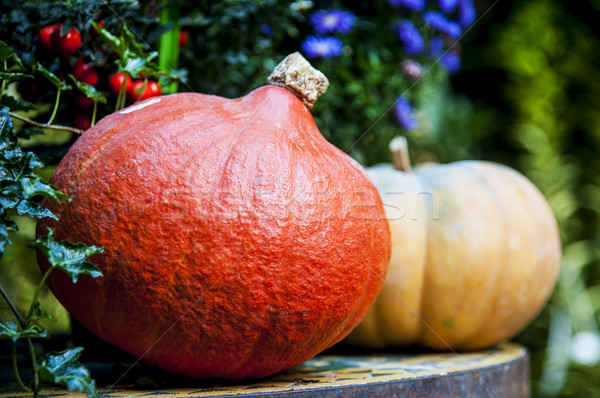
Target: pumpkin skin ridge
175,278
478,181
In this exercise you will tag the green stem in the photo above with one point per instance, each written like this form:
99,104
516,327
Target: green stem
94,113
16,369
36,295
55,107
169,42
121,95
35,383
45,126
142,91
13,308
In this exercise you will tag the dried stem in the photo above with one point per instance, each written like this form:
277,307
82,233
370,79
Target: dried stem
45,126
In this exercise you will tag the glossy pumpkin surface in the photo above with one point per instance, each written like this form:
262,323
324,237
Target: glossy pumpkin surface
239,242
475,255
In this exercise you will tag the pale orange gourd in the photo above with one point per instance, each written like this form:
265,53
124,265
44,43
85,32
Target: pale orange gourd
475,255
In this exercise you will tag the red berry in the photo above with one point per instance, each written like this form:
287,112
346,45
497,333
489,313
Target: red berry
83,72
44,38
82,122
67,44
184,36
152,90
116,81
83,102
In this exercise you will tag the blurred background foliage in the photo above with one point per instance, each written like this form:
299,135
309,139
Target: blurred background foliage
527,95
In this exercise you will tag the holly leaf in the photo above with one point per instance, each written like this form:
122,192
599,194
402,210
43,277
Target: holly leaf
64,368
9,330
68,256
89,91
52,78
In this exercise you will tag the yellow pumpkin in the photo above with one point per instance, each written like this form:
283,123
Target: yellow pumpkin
475,255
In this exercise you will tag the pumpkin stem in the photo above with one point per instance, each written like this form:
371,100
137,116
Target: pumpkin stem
297,75
400,158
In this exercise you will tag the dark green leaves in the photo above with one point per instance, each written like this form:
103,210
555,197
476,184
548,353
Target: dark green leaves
64,368
133,58
9,330
14,105
19,185
69,257
89,91
52,78
12,76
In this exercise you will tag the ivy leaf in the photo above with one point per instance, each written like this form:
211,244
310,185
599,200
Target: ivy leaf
68,256
32,209
5,51
8,53
52,78
32,185
64,368
9,330
6,226
89,91
14,104
40,313
13,76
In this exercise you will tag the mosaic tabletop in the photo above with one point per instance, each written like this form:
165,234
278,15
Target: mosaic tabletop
497,372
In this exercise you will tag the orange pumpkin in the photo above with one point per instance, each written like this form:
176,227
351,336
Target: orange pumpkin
240,243
475,255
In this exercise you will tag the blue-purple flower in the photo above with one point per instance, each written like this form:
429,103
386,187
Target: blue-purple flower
447,5
466,13
323,47
451,62
436,47
410,37
415,5
404,113
266,29
333,21
438,21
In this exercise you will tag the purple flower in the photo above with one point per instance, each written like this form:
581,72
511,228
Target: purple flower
415,5
436,47
466,13
334,21
447,5
438,21
404,114
266,29
323,47
410,37
451,62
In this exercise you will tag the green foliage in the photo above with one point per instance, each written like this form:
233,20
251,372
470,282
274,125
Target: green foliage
551,132
10,330
64,368
69,257
20,191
